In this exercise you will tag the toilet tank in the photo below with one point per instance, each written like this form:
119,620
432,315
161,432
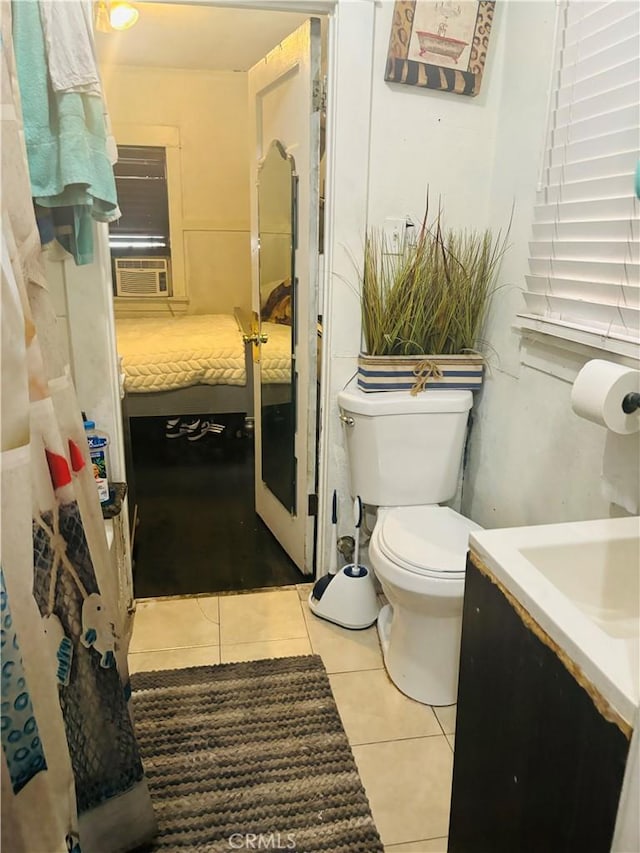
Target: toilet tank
404,450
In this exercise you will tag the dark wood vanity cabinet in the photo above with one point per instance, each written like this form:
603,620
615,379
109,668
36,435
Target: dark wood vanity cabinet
537,767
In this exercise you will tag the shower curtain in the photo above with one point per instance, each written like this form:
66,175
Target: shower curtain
72,778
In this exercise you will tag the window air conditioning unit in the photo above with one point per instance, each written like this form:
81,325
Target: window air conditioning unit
142,277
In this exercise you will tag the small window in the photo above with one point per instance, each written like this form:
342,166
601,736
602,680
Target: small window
141,181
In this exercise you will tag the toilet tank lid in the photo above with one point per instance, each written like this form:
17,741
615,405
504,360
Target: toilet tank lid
401,402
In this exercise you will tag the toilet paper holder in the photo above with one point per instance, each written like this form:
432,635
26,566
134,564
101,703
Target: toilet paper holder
630,402
608,394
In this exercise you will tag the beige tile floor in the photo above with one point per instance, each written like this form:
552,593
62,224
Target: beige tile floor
403,750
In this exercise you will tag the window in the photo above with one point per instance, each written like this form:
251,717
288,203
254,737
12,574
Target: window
584,282
141,181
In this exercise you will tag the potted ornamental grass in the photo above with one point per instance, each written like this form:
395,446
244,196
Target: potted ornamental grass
424,306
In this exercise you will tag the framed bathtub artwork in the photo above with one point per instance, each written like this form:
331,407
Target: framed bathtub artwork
440,45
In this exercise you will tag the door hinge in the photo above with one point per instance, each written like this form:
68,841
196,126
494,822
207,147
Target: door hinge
319,94
312,509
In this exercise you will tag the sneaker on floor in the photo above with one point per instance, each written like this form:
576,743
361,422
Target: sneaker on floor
204,428
176,427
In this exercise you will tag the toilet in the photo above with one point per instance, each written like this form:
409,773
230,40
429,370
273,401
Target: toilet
404,457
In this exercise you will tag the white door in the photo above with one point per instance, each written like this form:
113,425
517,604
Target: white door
285,126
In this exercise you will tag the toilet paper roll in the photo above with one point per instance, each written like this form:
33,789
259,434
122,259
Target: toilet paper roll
598,392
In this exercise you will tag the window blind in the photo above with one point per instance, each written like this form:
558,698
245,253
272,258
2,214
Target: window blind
584,264
141,181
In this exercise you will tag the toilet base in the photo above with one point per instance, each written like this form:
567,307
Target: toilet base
421,653
383,624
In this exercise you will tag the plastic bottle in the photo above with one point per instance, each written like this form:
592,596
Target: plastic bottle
99,452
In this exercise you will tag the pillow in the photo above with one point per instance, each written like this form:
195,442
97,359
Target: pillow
267,288
277,308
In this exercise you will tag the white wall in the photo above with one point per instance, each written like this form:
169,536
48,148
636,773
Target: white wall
209,109
532,459
426,139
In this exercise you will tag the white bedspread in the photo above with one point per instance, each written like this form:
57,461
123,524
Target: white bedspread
176,352
275,355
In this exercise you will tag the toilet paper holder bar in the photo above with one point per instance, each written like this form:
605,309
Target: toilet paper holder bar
631,402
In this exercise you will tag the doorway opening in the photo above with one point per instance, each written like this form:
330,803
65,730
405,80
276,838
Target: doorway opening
198,529
177,86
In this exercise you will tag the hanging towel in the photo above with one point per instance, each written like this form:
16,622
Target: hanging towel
68,36
71,54
65,133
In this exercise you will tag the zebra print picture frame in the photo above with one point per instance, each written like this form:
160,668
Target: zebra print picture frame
439,45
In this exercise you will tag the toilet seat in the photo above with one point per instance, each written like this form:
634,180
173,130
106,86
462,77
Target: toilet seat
426,540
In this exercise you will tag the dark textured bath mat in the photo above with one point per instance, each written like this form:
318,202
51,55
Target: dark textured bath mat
250,756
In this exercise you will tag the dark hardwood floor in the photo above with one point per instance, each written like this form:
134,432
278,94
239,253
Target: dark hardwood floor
198,529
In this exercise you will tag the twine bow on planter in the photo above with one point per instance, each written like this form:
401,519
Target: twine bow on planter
424,370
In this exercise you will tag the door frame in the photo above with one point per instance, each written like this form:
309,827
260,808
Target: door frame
351,36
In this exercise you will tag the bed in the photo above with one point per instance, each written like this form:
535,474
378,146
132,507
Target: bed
198,364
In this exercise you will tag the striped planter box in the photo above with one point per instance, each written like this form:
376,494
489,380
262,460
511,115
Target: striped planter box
415,373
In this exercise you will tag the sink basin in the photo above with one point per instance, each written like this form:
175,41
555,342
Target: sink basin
602,579
580,581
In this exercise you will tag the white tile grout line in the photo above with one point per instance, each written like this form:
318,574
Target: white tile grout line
272,640
304,621
174,649
397,739
365,669
215,621
390,847
439,723
221,594
218,645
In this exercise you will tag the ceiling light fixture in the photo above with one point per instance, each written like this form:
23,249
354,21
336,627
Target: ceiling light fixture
117,15
123,15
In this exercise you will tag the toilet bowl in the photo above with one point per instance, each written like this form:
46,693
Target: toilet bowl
418,554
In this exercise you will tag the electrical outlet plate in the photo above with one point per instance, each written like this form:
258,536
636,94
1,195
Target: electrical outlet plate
394,234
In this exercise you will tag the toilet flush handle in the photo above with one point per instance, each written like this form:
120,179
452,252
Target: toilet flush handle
347,420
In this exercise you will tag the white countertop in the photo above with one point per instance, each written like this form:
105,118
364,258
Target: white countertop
579,581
